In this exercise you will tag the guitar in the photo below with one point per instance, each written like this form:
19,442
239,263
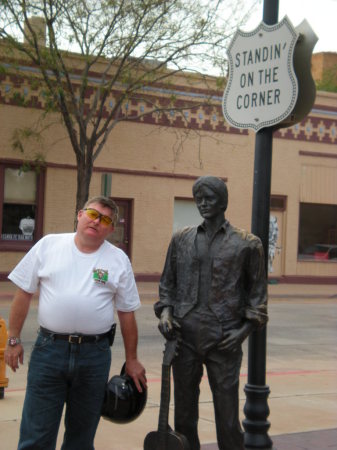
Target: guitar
166,438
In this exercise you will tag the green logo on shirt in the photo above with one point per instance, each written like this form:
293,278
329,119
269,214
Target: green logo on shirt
100,275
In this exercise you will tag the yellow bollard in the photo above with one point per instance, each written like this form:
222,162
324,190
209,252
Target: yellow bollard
3,343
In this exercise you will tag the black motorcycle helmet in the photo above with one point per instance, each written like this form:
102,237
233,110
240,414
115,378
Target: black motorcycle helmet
123,403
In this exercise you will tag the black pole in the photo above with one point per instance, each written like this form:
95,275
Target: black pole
270,12
256,408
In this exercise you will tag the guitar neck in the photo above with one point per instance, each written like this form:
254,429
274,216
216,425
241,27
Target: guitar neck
164,399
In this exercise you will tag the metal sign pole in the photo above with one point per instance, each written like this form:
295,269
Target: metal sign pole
256,408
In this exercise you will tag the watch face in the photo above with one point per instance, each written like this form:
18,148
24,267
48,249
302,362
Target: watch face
12,341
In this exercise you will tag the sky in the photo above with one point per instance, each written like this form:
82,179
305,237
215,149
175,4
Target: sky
321,15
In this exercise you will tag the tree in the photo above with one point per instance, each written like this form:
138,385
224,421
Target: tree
328,82
135,44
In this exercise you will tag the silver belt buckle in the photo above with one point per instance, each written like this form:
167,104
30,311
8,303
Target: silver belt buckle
75,339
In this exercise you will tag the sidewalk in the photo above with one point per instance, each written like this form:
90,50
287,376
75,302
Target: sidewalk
311,440
303,399
319,439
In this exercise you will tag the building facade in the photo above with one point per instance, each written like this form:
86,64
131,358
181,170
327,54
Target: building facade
149,165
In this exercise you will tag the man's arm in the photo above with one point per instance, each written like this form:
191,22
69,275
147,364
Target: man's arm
167,284
256,288
256,300
129,331
17,317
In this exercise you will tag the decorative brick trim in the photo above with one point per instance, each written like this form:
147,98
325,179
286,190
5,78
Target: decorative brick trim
133,172
148,277
317,154
195,113
304,279
286,279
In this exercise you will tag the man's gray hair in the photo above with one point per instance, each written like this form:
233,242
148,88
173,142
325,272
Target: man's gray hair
104,201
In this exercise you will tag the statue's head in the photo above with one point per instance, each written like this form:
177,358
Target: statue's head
215,184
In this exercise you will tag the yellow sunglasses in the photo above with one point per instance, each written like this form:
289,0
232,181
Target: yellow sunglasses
93,215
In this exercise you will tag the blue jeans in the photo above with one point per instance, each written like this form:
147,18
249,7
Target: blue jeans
61,373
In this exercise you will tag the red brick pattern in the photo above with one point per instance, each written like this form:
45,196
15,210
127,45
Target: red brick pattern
188,110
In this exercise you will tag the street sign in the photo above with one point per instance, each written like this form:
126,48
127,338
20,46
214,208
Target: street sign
302,65
262,87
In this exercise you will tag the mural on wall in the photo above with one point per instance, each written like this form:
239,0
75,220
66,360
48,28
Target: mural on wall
273,236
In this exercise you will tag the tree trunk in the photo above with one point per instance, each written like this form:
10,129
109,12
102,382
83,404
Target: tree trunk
84,173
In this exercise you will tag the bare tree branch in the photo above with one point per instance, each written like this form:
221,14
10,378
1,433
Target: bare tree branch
129,45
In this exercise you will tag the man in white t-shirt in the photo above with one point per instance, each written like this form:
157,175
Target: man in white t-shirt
81,277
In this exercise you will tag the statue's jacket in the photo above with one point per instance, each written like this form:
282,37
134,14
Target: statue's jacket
238,289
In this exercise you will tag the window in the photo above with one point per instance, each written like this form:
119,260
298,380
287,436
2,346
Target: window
20,207
185,214
121,235
318,232
278,202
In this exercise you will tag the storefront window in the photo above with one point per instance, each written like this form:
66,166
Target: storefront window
19,206
185,214
318,232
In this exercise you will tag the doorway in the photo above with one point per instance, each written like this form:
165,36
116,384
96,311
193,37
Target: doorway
122,232
276,237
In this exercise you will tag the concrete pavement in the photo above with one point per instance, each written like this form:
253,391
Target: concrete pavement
302,377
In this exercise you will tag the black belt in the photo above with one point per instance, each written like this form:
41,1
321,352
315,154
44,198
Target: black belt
74,338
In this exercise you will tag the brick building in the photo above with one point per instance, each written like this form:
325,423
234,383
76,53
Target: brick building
149,165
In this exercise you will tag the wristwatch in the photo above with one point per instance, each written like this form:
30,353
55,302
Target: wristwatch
13,341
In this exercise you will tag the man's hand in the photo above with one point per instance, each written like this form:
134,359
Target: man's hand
14,356
137,372
133,367
17,316
167,325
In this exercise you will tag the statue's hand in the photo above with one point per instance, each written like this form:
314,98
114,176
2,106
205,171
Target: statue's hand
231,340
167,325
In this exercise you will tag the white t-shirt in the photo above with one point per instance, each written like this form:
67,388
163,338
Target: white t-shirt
78,290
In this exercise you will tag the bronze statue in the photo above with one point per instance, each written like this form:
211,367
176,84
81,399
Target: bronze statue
213,292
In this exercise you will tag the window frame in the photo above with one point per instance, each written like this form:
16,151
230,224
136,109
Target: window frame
19,246
303,257
281,200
